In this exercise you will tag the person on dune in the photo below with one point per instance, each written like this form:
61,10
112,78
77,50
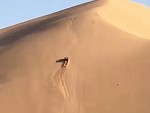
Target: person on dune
64,61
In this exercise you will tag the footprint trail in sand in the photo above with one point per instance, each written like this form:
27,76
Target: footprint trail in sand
59,83
65,86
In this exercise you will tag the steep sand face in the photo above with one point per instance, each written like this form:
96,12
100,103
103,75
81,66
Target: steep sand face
108,70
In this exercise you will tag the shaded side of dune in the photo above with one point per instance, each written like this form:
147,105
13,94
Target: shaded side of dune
108,70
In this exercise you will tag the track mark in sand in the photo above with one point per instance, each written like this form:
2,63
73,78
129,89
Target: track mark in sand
73,35
59,83
70,25
68,98
71,29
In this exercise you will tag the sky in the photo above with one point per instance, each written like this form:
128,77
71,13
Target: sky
16,11
145,2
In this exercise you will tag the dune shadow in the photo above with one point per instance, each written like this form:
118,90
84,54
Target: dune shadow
4,78
42,23
20,32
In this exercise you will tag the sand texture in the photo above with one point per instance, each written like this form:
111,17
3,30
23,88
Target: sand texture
108,45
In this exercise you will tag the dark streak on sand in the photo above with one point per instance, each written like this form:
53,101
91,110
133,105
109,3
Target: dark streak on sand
10,36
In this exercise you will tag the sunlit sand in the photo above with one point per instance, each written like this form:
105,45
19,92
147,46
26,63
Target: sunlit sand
108,48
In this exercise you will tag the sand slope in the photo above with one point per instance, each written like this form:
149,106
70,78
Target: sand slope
108,70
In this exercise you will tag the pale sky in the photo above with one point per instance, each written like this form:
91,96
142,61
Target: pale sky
17,11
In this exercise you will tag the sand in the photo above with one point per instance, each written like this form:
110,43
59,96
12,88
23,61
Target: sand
109,58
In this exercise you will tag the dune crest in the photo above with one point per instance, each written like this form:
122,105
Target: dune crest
128,16
109,61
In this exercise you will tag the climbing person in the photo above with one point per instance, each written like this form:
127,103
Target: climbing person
64,61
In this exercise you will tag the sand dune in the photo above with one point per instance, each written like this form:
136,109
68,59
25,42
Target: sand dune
109,63
120,14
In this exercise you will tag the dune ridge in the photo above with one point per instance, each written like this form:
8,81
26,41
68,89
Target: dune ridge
108,70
